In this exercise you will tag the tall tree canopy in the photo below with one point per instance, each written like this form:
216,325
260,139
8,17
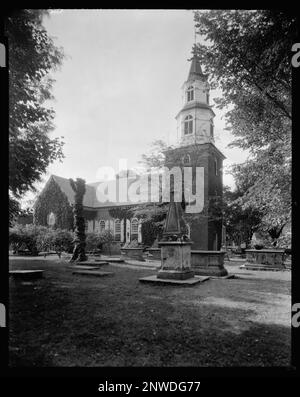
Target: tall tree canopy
156,157
32,56
240,223
248,55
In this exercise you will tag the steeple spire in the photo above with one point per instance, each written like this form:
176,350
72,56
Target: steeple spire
195,69
195,119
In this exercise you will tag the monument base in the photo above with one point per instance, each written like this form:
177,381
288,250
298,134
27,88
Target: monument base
264,259
175,258
208,263
175,274
133,253
155,253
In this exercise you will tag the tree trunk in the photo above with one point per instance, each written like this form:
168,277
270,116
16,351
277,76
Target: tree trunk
79,240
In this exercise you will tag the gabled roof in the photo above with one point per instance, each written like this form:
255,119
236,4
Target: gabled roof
90,198
65,186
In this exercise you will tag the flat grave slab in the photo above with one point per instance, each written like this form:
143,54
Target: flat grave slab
133,266
82,267
112,260
229,276
187,282
89,263
263,267
93,273
26,274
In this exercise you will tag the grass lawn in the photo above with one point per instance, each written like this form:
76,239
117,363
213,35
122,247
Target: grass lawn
71,320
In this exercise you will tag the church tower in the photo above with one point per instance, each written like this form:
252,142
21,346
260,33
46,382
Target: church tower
195,119
196,148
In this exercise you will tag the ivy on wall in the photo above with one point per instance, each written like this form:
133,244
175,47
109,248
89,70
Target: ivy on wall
89,215
124,212
52,199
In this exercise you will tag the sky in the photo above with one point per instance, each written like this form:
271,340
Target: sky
119,87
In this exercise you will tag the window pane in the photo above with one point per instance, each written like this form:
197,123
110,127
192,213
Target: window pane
134,226
102,226
117,227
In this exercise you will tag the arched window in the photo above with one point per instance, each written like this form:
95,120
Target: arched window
190,94
186,159
207,97
51,219
134,229
102,226
211,130
188,125
117,230
216,167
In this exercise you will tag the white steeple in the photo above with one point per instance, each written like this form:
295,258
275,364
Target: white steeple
195,119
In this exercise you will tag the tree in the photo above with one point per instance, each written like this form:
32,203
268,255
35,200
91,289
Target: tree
156,156
78,187
152,216
247,54
32,56
240,223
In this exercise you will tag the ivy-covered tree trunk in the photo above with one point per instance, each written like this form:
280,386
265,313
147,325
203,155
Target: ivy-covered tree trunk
80,238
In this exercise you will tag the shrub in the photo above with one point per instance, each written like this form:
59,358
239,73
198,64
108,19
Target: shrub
93,241
58,240
96,241
26,237
106,238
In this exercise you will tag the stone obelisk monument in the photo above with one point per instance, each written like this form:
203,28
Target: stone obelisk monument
175,250
175,246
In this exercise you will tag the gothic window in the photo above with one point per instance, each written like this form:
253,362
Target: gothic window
190,94
117,230
102,226
186,159
134,228
51,219
188,125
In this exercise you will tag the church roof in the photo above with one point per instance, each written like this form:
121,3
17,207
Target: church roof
195,69
65,186
90,198
193,105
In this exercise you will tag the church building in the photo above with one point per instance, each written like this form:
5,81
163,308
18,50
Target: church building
194,149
